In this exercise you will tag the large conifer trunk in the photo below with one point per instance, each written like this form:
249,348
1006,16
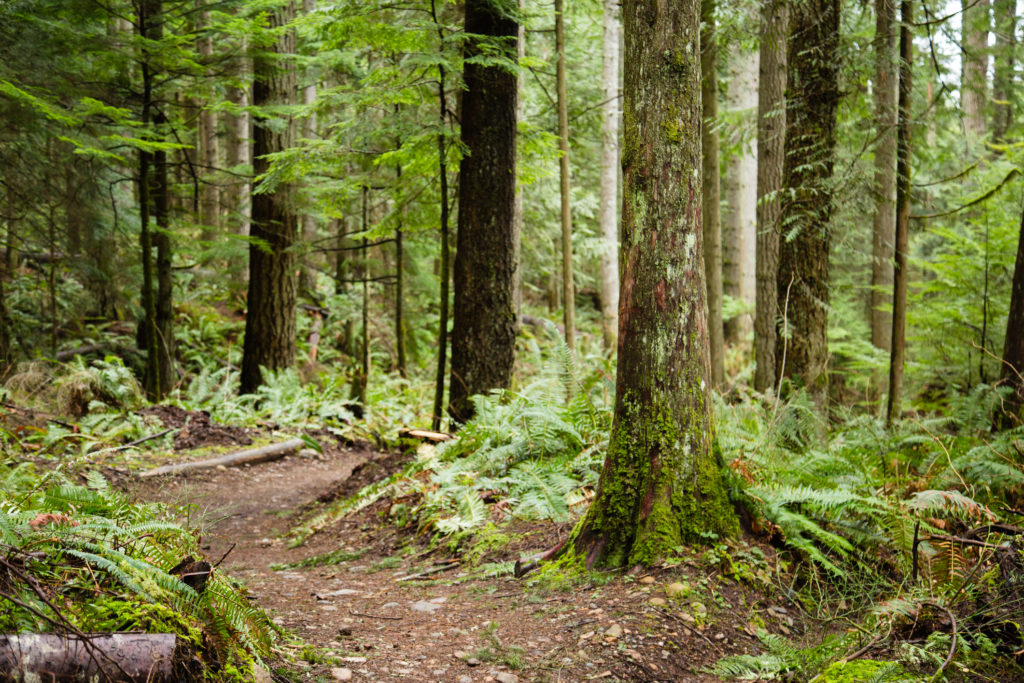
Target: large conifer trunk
885,172
771,135
661,485
803,279
270,320
484,329
1013,345
608,216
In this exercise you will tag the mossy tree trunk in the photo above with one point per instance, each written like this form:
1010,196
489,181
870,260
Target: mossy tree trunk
801,353
484,330
771,135
270,320
662,484
975,22
1005,63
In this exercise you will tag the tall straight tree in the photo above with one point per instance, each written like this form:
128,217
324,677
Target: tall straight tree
884,90
975,23
803,278
1004,62
484,329
771,136
609,190
568,288
710,209
900,275
661,485
1013,345
270,320
739,222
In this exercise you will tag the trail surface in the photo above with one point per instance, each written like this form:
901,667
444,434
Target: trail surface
358,623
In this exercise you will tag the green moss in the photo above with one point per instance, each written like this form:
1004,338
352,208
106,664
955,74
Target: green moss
863,670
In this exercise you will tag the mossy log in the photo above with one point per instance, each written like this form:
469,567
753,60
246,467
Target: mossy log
107,657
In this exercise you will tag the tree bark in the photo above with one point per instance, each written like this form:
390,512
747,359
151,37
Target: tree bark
710,172
974,67
149,22
250,456
209,191
661,485
484,333
307,273
884,228
1005,62
237,154
739,227
771,135
270,320
444,276
900,275
565,180
609,190
1013,344
162,382
803,279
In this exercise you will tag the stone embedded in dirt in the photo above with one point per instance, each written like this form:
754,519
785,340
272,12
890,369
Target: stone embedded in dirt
658,602
341,674
335,594
647,580
261,675
504,677
466,679
438,601
389,605
699,610
473,661
614,631
676,589
354,660
424,606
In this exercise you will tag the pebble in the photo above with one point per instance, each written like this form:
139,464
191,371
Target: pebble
424,606
647,580
614,631
345,631
466,679
473,661
658,602
342,674
505,677
675,589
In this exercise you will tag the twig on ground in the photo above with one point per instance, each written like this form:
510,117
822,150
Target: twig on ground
433,570
143,440
373,616
225,555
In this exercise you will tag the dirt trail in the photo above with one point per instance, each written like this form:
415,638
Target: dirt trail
452,626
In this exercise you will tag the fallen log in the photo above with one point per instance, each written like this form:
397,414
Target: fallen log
247,457
102,657
425,435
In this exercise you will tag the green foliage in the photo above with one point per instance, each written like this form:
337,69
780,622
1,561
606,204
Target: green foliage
84,557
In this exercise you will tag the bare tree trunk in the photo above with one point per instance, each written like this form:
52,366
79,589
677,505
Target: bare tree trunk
517,210
900,275
270,320
609,191
885,172
661,485
484,332
710,207
445,266
163,381
149,23
209,195
803,280
568,289
1005,61
771,135
1013,345
307,273
739,227
974,67
236,202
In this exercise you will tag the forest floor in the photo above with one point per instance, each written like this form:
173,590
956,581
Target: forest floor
356,619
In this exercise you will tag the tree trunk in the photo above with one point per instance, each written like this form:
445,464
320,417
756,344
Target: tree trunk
518,216
209,191
739,229
445,266
484,333
900,275
270,321
568,288
974,67
158,385
771,135
661,485
884,89
237,157
307,273
1013,345
609,191
1005,15
149,23
803,280
710,172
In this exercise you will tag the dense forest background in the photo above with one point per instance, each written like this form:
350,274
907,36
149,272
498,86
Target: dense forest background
263,210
